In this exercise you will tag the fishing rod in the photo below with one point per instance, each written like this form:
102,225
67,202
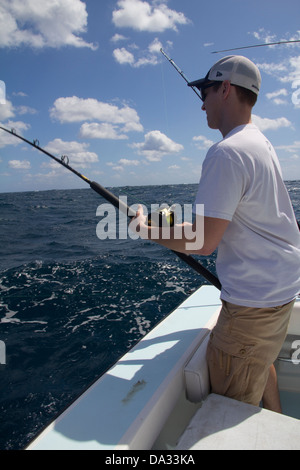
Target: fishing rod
116,202
180,73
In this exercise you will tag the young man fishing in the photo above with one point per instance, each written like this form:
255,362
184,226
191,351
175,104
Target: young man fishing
249,217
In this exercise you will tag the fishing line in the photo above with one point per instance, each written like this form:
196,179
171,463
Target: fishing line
165,95
163,216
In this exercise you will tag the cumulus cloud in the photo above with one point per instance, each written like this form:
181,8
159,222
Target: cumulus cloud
44,23
142,16
275,96
8,139
294,147
292,151
122,56
270,124
118,37
123,162
116,121
74,109
268,37
288,69
26,110
126,162
146,57
19,165
7,110
156,145
104,130
202,142
77,152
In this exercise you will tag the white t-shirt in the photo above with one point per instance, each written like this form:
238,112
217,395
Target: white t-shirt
258,261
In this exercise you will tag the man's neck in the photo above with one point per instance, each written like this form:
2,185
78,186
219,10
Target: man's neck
233,118
227,129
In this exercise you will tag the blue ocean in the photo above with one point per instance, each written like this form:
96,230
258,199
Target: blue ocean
72,304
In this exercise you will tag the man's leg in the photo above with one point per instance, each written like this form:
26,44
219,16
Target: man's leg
240,352
271,398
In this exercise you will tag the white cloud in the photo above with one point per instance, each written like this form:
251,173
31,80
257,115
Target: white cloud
202,142
126,162
118,37
156,145
19,165
142,16
294,147
270,124
26,110
117,168
148,57
104,130
288,69
44,23
155,46
277,70
274,96
8,139
74,109
123,162
267,37
123,56
19,93
263,35
7,110
77,152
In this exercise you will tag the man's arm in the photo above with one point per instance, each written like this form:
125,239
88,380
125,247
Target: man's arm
201,238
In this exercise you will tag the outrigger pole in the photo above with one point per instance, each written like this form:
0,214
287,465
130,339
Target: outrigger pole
257,45
116,202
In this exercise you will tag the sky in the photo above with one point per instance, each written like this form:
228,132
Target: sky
87,80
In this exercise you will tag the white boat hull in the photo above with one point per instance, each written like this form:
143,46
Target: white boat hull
141,402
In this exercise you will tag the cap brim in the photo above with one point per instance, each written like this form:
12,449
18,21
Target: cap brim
198,83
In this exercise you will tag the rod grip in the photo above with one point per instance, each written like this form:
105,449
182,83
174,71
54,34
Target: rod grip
114,200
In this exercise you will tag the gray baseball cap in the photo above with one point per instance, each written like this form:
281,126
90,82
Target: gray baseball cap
237,69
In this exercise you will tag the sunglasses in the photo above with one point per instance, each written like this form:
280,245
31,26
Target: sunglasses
204,87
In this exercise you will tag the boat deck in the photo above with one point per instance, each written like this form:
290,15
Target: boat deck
225,424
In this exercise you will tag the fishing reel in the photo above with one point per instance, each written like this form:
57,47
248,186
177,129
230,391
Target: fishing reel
163,217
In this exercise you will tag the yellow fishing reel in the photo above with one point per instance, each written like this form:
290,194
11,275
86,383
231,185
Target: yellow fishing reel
164,217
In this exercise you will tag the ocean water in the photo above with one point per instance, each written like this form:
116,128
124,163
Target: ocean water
72,304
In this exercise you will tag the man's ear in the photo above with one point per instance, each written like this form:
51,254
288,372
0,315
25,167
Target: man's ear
226,86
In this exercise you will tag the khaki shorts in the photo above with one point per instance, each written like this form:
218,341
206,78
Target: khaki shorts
243,345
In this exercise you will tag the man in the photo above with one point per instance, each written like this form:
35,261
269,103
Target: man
248,216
